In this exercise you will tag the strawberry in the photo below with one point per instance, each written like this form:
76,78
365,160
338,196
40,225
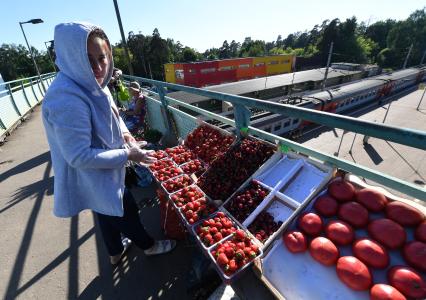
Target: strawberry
255,248
239,255
252,254
218,236
240,234
222,260
229,251
220,214
232,266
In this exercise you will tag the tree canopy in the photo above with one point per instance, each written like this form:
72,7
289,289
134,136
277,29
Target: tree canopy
384,42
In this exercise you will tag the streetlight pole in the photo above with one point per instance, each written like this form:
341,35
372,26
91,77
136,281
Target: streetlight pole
50,56
406,58
33,21
330,52
123,38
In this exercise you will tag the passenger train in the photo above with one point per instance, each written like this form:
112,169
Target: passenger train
337,100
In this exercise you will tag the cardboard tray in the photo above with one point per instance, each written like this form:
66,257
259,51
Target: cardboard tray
299,276
309,176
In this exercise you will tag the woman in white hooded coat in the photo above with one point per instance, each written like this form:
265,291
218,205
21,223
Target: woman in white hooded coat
87,140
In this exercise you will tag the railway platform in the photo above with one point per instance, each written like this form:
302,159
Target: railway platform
401,161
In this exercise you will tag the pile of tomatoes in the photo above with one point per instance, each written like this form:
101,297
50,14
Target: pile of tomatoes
339,215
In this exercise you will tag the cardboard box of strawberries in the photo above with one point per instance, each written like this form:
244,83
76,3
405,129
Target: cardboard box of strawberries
353,241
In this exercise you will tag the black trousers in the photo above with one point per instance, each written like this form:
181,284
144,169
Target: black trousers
129,225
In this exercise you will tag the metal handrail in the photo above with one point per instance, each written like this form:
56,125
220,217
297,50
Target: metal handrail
404,135
43,76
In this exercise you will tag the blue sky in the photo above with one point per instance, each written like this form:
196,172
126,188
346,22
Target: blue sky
197,23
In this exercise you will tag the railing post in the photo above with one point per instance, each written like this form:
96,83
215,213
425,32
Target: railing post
242,117
32,88
421,99
13,100
40,87
25,95
169,138
340,144
2,125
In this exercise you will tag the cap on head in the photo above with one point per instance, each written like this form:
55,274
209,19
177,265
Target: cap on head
134,86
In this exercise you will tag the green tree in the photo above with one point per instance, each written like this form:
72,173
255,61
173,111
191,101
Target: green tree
120,60
250,48
16,62
225,50
234,48
189,55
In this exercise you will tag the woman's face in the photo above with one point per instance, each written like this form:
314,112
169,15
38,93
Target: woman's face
99,57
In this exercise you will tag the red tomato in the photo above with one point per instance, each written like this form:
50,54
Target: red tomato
420,232
310,223
387,233
341,190
385,292
407,281
404,214
295,241
339,232
324,251
371,253
415,254
372,199
353,213
326,206
354,273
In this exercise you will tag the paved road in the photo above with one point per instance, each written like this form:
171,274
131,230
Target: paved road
44,257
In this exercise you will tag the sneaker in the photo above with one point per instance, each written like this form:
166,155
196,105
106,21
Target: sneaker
116,258
161,247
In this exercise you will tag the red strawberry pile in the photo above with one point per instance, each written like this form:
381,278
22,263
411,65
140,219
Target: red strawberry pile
193,167
183,157
186,195
228,172
167,173
208,143
196,210
387,223
176,150
161,164
234,253
245,202
264,226
177,183
160,154
213,230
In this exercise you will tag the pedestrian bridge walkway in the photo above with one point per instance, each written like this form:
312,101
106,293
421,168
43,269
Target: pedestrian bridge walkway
44,257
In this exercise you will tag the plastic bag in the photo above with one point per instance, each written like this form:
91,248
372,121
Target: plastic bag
123,93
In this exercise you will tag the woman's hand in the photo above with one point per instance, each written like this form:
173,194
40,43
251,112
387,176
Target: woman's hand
128,138
141,156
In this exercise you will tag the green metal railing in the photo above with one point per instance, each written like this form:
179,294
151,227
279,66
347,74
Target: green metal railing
405,136
19,97
22,95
